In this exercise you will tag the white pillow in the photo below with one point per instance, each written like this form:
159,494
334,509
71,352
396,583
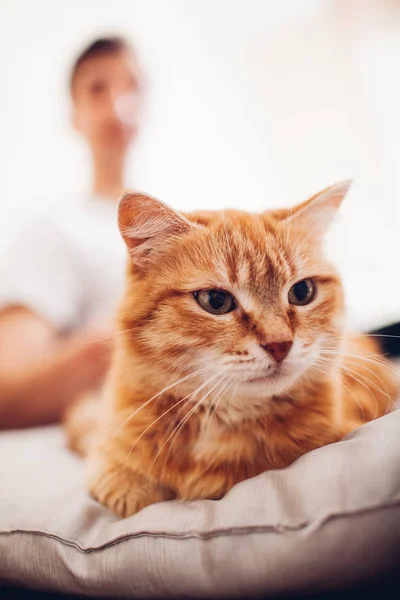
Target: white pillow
331,519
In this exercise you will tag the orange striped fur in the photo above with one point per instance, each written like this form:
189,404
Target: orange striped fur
195,402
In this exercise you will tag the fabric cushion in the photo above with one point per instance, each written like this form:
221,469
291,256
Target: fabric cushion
330,519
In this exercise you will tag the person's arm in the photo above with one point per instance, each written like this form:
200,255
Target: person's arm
41,373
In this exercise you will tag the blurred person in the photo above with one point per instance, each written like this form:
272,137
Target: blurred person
64,273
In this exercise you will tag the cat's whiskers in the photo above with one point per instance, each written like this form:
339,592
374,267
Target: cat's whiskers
232,384
286,391
356,375
185,419
303,383
370,358
108,337
208,422
351,372
366,356
196,391
182,407
167,388
361,379
374,373
325,362
208,367
345,386
380,335
213,409
236,382
207,408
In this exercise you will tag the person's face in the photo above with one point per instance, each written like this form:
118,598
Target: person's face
106,101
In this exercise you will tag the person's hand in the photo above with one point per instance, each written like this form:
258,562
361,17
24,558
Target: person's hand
89,353
41,373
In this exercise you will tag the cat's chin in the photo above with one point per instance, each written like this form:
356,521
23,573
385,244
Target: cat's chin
268,385
255,396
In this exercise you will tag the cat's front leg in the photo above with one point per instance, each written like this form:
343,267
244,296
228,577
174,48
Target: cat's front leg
201,486
120,489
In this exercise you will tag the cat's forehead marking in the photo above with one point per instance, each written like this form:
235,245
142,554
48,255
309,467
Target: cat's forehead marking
247,301
247,258
256,263
243,271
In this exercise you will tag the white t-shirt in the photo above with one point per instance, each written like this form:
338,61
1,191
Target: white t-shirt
67,266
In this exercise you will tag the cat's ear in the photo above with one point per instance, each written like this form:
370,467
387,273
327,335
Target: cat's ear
146,224
316,214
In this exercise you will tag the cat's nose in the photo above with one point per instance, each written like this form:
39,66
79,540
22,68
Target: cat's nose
278,350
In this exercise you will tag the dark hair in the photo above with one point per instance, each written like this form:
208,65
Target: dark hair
99,47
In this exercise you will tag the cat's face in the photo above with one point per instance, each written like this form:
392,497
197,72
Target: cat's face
247,301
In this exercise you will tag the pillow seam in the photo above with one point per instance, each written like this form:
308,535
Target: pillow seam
204,535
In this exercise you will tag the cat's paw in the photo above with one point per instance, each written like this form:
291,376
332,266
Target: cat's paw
124,492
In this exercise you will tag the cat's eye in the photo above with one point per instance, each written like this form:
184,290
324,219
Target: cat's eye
302,292
216,302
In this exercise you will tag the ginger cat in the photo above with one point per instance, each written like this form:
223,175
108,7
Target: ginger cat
231,357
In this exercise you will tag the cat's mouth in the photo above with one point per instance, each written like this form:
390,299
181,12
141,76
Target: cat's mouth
270,376
273,380
264,379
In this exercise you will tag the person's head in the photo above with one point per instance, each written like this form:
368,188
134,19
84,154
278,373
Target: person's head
106,89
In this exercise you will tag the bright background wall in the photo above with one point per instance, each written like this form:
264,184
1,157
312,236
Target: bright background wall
251,103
